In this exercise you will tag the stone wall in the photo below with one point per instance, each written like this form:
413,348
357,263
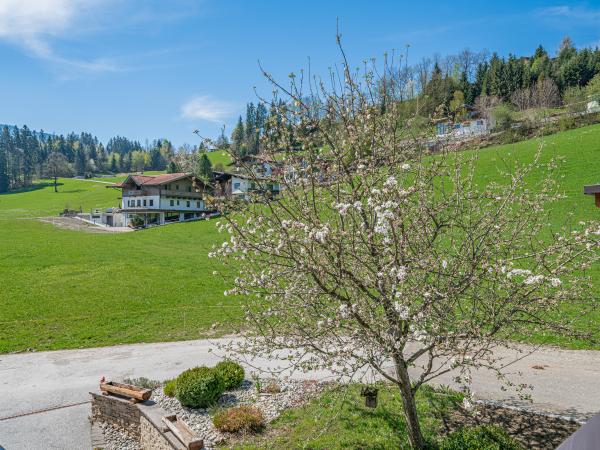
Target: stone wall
116,411
152,438
143,421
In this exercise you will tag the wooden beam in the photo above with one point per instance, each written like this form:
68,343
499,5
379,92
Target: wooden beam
126,390
184,433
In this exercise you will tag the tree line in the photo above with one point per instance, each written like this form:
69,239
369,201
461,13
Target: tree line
26,155
444,85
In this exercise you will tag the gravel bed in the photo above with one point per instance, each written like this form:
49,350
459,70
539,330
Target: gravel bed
116,439
293,393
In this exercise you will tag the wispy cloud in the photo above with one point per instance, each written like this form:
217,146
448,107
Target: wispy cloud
204,107
33,24
570,13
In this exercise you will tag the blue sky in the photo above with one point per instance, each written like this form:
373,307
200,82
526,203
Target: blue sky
151,68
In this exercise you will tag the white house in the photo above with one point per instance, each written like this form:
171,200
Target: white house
161,199
472,127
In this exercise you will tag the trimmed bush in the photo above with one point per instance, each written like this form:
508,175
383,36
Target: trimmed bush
482,437
231,374
170,388
199,387
247,419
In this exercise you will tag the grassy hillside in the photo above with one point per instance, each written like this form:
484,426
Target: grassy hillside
64,289
219,156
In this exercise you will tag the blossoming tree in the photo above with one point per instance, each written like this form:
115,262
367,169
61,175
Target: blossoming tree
387,254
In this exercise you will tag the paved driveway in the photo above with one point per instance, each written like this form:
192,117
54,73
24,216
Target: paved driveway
33,384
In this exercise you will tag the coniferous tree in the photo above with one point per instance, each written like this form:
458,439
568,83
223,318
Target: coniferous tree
237,139
203,167
172,167
4,149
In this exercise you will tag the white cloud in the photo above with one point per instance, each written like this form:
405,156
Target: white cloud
205,107
32,24
578,13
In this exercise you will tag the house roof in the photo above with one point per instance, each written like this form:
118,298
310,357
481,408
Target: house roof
152,180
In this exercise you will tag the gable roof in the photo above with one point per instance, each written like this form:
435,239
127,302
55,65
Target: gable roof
152,180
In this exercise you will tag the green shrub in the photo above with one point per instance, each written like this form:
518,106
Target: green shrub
566,123
247,419
142,382
483,437
503,117
199,387
231,374
170,388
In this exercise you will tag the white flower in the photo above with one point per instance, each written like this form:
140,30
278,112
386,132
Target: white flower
444,264
401,310
390,182
514,272
321,235
405,166
555,282
343,208
467,403
534,279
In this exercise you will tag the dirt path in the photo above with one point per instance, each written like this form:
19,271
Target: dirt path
71,223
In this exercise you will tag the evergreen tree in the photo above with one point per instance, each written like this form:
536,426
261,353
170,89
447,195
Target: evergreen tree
4,149
172,167
237,139
203,167
113,163
80,161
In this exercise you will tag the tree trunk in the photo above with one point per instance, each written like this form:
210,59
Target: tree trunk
55,184
410,407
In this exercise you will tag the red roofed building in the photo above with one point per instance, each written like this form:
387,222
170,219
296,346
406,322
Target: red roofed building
158,199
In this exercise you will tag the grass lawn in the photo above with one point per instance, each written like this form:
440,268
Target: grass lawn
219,156
67,289
339,420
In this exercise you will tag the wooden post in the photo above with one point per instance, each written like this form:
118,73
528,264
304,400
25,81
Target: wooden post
184,433
597,195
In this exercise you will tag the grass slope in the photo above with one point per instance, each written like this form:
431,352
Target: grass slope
65,289
339,420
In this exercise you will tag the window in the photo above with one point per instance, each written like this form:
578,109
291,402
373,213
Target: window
197,204
176,187
151,202
187,204
172,202
139,202
144,202
177,202
189,189
236,185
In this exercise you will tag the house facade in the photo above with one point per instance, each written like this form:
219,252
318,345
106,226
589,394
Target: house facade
161,199
242,186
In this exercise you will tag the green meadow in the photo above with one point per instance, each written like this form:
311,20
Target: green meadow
66,289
